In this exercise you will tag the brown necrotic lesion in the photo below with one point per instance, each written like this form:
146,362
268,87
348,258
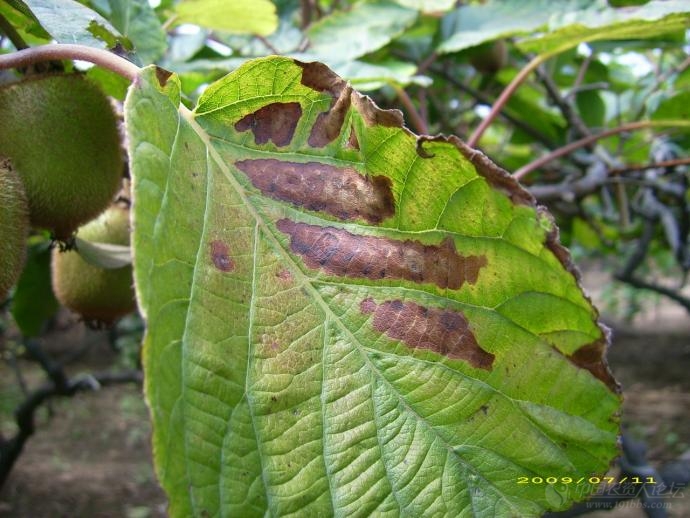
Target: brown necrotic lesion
344,254
220,256
442,331
339,191
275,122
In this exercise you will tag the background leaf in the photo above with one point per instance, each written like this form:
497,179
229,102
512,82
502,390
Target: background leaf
71,22
33,302
239,16
653,19
470,25
366,27
137,21
343,319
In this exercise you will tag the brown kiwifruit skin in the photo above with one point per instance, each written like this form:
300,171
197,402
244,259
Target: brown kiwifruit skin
61,134
14,226
97,294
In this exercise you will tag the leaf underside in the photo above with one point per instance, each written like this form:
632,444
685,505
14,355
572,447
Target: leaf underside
346,319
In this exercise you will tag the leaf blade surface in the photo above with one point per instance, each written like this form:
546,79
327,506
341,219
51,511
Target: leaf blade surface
346,319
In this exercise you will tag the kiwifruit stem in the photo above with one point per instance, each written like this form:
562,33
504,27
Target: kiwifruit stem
52,52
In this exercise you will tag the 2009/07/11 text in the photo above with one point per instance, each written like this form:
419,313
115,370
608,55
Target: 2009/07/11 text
585,480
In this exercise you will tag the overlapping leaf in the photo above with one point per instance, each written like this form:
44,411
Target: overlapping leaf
552,27
137,21
344,319
68,21
367,27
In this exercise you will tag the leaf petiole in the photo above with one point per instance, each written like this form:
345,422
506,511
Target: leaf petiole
100,57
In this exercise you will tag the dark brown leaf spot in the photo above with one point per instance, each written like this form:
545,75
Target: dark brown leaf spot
284,275
352,142
220,256
329,124
375,116
592,358
341,192
276,122
339,252
162,75
319,77
440,330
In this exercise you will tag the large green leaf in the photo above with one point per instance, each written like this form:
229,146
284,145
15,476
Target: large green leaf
68,21
471,25
136,20
603,23
552,27
344,319
368,26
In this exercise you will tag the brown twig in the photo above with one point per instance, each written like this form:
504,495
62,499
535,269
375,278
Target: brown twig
573,146
267,44
485,99
24,415
52,52
642,167
415,118
503,98
564,105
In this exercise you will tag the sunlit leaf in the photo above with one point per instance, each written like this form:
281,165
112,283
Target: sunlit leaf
344,319
602,23
552,27
470,25
368,26
428,6
238,16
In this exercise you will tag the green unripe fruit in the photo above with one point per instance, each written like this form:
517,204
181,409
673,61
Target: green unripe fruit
61,134
14,226
489,58
97,294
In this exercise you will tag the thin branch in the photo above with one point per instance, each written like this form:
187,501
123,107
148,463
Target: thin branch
654,165
416,119
640,284
423,101
503,98
103,58
573,146
24,415
485,99
267,44
564,105
580,78
427,62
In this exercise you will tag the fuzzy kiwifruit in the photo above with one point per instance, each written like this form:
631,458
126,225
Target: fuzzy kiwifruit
490,57
61,134
97,294
14,226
